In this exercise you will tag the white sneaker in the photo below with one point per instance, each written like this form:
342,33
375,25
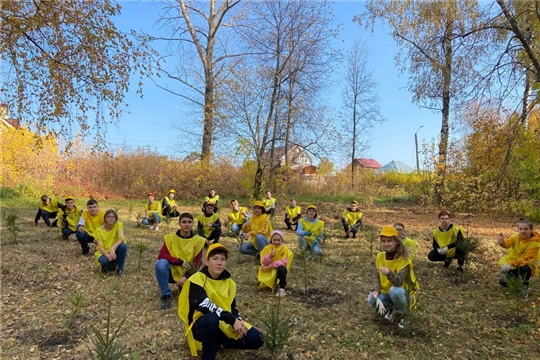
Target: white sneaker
281,292
156,228
390,315
401,323
525,293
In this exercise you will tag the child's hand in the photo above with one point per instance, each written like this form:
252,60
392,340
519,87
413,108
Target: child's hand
384,270
239,327
273,253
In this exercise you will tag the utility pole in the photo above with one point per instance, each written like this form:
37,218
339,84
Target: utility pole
416,146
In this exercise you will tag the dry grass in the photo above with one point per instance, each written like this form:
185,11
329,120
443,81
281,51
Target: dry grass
459,316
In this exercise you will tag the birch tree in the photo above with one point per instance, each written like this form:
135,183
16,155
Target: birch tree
438,56
361,99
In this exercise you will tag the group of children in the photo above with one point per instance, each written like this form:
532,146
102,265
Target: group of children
207,299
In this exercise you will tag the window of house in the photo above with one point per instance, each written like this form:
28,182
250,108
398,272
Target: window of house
303,159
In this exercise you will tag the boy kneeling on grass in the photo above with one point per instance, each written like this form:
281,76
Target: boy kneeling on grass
394,283
207,306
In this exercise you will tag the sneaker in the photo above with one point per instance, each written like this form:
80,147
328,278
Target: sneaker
165,303
104,269
401,323
120,273
460,269
85,251
347,236
390,315
156,228
525,293
354,236
281,292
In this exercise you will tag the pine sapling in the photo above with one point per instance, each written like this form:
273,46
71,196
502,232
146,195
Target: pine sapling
304,256
372,239
12,226
107,347
76,300
278,327
140,247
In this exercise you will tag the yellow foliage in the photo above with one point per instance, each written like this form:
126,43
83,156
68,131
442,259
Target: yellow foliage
27,157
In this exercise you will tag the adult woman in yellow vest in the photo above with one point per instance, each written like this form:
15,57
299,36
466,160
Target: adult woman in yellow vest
179,252
394,282
310,231
276,260
445,238
207,306
256,231
521,259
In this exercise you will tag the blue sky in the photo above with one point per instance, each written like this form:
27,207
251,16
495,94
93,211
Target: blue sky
149,121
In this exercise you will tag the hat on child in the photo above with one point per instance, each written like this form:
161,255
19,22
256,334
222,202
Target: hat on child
258,203
312,207
172,191
214,247
388,231
150,194
69,198
279,233
354,202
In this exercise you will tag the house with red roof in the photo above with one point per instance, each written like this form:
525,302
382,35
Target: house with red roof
370,164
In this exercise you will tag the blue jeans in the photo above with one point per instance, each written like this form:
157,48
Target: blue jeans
235,228
248,248
67,231
396,298
84,238
206,330
121,253
164,277
156,219
302,244
47,216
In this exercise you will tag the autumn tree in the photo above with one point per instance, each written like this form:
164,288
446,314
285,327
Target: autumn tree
65,62
438,49
199,40
287,51
361,99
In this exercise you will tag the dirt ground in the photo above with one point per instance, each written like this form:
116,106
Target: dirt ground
459,317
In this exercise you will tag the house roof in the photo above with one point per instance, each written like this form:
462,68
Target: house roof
294,152
368,163
396,166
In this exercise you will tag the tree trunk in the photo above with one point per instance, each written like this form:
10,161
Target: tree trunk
443,143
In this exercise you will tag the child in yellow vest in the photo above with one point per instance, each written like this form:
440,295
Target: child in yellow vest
91,219
180,250
394,283
257,231
48,209
445,239
207,306
293,213
521,259
276,260
111,249
351,219
409,243
310,231
68,218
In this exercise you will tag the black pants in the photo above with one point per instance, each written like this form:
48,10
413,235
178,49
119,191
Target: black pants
289,224
206,330
166,211
346,227
215,235
282,276
435,256
523,272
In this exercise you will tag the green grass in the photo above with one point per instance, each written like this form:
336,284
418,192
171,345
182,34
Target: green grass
459,316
